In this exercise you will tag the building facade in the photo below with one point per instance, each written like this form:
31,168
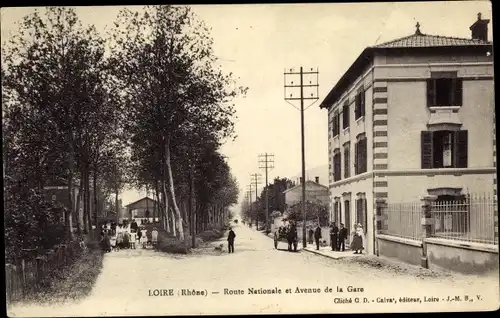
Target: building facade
143,208
412,117
315,192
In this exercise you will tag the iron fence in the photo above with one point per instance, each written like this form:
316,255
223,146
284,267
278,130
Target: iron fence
403,220
471,219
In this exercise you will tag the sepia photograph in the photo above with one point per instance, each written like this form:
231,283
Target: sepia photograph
304,158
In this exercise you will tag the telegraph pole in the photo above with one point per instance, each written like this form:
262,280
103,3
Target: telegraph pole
266,161
249,191
256,181
313,75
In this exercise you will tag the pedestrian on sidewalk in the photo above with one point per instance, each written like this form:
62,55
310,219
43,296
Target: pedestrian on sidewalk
342,237
334,233
311,235
317,236
230,240
357,241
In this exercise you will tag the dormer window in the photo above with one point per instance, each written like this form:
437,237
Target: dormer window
444,89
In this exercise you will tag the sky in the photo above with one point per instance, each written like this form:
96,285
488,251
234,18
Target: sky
258,42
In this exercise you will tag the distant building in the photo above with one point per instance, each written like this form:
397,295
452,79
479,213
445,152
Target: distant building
315,192
142,208
412,117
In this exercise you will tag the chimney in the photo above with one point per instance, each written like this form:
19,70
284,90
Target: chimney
480,29
317,179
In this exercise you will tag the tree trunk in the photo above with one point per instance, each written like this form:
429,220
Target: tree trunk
117,208
172,192
164,210
94,186
79,219
68,221
87,199
191,210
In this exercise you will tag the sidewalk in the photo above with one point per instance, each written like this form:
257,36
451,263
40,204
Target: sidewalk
327,252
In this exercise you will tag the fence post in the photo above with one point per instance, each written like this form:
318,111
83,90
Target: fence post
426,222
378,217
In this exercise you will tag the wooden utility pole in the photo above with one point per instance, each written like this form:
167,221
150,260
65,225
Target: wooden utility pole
266,162
289,98
256,181
249,191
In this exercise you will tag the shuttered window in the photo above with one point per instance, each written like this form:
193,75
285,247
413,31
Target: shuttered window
336,124
347,209
444,92
444,149
345,115
347,160
361,156
359,108
336,166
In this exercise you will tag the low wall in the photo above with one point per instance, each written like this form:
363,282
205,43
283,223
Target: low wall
406,250
463,257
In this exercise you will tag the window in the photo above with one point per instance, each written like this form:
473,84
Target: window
361,214
444,90
336,124
451,215
347,160
444,149
336,165
337,212
347,209
360,153
359,110
345,115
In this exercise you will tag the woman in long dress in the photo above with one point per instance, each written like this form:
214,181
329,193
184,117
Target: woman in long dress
106,246
119,236
356,241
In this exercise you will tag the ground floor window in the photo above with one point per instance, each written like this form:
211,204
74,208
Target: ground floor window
451,215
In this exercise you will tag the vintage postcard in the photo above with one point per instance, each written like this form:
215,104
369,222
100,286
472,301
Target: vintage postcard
249,159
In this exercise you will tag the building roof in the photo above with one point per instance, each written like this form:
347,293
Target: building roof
426,40
418,40
308,181
145,198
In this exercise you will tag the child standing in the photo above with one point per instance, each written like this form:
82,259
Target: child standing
133,238
144,237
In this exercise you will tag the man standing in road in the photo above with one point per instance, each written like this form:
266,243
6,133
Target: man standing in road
230,240
334,233
342,237
317,236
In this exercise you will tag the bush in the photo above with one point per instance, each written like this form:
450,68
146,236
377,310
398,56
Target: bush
212,235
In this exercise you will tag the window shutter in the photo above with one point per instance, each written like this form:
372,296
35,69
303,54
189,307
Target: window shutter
338,123
461,149
356,107
340,212
458,92
362,106
426,149
431,92
365,219
365,155
356,158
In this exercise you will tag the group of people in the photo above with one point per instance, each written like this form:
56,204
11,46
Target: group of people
290,232
338,237
125,236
